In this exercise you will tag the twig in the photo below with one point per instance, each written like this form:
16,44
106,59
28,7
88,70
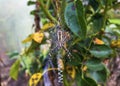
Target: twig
47,13
105,14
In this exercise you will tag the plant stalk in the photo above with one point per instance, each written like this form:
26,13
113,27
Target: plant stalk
105,14
47,13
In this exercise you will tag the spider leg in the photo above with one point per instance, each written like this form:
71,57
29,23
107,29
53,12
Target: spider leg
57,44
69,54
64,40
52,50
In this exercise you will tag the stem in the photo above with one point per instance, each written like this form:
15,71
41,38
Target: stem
48,4
90,44
37,22
105,14
63,5
54,7
82,72
47,13
58,8
87,49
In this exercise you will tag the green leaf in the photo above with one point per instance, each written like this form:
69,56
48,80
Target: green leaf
75,59
14,69
114,21
113,30
27,60
94,4
33,12
94,65
100,76
89,82
85,43
97,22
34,45
81,17
31,3
101,51
78,78
84,81
116,31
13,54
71,19
106,40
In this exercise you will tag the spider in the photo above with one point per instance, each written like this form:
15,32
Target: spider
59,40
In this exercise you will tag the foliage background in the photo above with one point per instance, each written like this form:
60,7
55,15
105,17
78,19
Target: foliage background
17,30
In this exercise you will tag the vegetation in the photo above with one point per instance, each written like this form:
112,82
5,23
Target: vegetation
72,44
